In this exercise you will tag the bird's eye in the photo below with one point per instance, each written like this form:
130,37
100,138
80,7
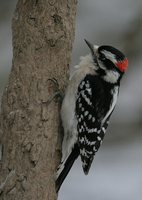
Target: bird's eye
102,57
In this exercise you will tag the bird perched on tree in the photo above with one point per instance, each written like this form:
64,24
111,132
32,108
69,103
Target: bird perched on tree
89,101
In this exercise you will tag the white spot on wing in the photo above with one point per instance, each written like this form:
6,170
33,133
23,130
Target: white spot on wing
81,140
86,113
89,143
98,131
93,130
81,116
94,149
82,109
80,105
99,138
87,85
103,129
79,119
82,84
86,98
89,116
79,99
93,119
89,91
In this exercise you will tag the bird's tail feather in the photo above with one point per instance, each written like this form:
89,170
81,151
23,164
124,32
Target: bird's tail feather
65,167
86,164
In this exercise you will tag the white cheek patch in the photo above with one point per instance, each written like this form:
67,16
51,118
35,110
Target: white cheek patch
111,76
109,56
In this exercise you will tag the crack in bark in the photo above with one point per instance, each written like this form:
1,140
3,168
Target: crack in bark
7,179
1,151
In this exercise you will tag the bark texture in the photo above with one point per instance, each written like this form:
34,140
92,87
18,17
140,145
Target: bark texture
43,33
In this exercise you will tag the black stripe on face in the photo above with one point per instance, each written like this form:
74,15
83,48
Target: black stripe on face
118,54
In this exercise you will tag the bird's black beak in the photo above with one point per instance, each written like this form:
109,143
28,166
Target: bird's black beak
93,50
90,46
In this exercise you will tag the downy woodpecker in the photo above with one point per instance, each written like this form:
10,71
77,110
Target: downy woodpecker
89,101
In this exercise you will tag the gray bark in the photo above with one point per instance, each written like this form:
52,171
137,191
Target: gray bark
30,135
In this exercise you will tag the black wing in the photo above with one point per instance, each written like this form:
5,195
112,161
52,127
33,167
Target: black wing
93,102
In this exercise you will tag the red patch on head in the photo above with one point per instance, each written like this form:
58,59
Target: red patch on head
122,65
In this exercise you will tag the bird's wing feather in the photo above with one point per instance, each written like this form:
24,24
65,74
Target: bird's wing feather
91,108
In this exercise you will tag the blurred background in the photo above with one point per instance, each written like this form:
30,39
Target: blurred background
116,173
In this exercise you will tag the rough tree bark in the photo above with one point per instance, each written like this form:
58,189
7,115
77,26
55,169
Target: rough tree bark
43,33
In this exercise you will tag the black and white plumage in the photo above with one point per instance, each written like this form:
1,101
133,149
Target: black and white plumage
89,101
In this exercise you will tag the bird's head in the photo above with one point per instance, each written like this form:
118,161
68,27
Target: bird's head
111,62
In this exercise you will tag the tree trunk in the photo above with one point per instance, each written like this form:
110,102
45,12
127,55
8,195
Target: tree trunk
43,33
